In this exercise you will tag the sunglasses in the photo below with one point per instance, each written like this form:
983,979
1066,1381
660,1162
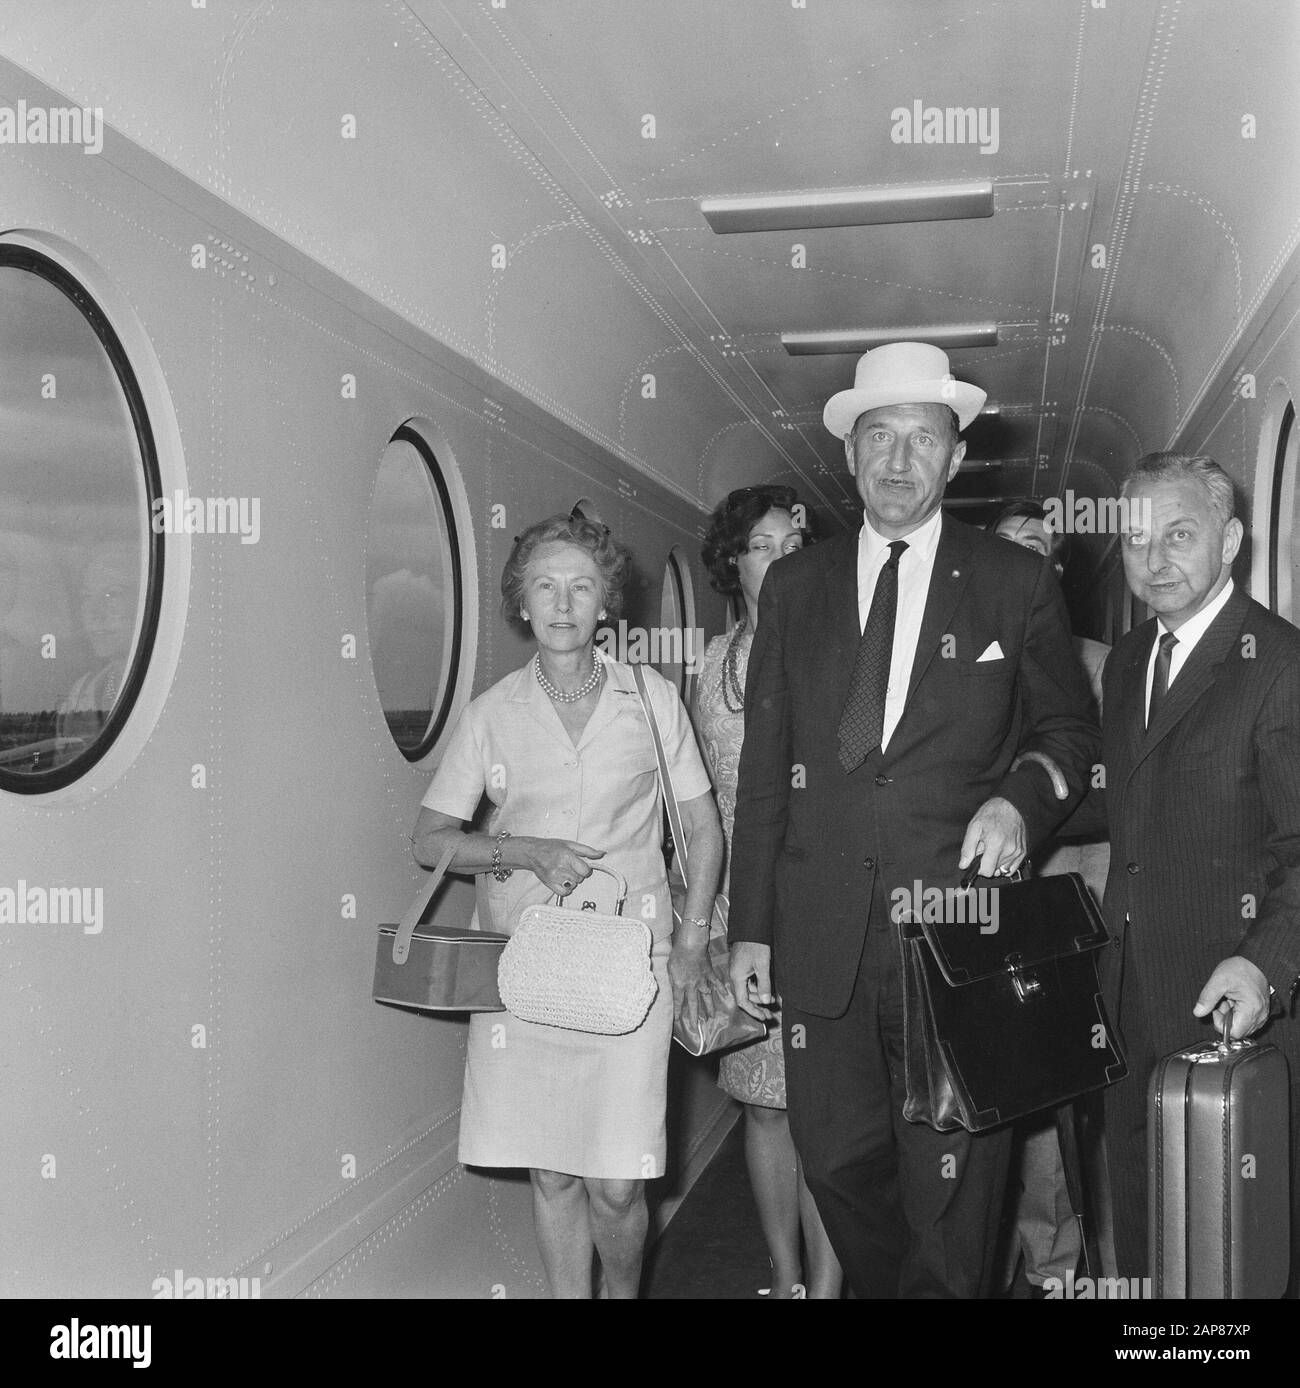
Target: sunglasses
772,494
578,514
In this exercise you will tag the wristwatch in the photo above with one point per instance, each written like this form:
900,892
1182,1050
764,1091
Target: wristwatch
499,872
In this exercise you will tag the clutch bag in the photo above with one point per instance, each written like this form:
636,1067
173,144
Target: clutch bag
726,1023
578,969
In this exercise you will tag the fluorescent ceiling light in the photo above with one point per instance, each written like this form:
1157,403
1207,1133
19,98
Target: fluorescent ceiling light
864,339
851,207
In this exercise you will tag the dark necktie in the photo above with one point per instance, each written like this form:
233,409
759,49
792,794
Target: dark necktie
863,721
1160,684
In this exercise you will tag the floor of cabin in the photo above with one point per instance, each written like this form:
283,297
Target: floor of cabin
713,1246
711,1249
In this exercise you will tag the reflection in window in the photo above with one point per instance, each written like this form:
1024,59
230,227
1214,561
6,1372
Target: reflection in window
413,593
80,569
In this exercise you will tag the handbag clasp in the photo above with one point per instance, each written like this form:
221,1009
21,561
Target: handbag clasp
1024,984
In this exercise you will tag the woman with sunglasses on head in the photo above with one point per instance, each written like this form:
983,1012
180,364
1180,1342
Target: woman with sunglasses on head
750,530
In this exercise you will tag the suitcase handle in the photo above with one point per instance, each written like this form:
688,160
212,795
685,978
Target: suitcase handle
402,937
1225,1044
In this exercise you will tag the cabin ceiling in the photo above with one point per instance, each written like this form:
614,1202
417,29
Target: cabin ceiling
523,124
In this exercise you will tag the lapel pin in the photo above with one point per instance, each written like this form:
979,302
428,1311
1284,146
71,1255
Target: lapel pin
956,573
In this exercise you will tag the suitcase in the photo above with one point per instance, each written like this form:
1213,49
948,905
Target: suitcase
437,968
1218,1144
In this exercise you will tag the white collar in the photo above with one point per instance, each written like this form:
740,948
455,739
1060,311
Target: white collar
921,542
1195,627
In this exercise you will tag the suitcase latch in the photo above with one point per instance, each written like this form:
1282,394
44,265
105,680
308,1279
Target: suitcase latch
1024,984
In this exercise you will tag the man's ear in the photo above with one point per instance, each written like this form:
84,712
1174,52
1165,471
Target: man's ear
1233,534
849,455
958,453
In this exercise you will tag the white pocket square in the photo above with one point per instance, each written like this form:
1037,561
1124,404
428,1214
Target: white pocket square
994,652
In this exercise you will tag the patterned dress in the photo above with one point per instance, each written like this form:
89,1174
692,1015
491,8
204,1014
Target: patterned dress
754,1074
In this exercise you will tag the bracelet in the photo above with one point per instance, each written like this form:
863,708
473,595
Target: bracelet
695,920
499,872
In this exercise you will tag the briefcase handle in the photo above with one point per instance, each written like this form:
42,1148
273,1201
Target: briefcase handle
402,939
972,872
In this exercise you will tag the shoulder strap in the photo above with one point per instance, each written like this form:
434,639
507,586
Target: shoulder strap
665,776
402,939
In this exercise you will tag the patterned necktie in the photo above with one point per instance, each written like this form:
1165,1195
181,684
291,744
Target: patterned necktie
863,721
1160,684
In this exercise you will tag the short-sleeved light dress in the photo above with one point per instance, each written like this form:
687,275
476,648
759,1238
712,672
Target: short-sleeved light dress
754,1074
539,1096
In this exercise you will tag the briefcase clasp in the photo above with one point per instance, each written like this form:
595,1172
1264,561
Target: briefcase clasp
1024,984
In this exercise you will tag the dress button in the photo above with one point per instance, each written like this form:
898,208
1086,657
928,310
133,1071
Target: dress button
1135,867
884,780
868,862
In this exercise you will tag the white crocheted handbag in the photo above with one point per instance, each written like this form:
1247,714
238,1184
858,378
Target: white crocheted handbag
577,969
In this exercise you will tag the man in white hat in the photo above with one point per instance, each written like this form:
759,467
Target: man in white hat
896,675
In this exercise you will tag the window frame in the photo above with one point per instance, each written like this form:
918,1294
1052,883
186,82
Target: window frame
677,580
1284,445
408,432
16,255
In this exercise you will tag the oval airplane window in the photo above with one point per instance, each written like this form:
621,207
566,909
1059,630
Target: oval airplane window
80,565
1284,514
413,593
676,622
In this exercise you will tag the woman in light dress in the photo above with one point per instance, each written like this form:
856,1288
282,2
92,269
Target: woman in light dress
562,751
752,528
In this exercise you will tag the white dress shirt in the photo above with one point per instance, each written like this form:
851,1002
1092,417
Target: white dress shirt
914,570
1188,635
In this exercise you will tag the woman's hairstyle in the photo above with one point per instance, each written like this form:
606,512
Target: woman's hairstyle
612,560
732,521
1028,509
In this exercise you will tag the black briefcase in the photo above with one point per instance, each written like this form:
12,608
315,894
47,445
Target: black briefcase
1003,1015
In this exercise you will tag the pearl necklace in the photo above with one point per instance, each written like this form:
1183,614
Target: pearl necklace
559,695
731,686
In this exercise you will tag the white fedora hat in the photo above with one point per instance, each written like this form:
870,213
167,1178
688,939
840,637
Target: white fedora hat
902,373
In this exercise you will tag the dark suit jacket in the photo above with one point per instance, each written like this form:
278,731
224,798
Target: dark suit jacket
1204,815
809,838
